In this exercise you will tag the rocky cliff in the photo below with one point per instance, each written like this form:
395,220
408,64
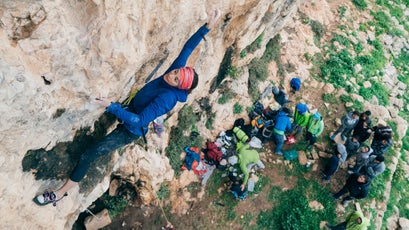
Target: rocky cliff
57,55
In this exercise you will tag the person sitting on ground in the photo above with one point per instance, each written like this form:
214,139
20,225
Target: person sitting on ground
361,158
357,185
352,145
282,124
333,164
153,100
354,221
295,84
348,122
315,126
236,189
247,159
301,118
280,96
373,166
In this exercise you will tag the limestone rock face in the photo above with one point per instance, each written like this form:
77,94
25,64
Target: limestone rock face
56,55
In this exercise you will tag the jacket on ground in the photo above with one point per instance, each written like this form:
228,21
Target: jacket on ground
156,97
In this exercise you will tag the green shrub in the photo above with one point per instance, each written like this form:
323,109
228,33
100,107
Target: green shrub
255,45
383,23
186,117
317,28
360,4
342,9
329,98
209,121
163,192
114,204
237,108
341,40
226,95
377,89
233,72
337,68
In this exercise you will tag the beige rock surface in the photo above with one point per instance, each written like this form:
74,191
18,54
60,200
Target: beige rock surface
58,55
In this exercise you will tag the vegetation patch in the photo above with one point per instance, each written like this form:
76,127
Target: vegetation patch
360,4
255,45
178,139
226,95
291,208
237,108
258,66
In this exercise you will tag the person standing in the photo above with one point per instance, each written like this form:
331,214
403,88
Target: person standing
315,126
282,124
374,166
301,118
153,100
348,123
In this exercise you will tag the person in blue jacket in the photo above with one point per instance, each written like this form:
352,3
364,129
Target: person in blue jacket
155,99
282,124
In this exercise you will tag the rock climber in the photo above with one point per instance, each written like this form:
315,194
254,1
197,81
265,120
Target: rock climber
153,100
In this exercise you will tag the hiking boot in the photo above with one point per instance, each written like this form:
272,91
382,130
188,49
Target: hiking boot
279,153
345,202
325,179
343,137
47,198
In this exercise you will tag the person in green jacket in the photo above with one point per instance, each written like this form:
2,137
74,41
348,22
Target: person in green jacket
355,221
315,127
247,159
301,118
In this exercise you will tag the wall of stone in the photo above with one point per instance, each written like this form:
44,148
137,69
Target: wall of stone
56,55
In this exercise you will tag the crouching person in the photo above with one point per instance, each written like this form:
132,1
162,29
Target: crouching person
235,187
332,166
247,159
357,185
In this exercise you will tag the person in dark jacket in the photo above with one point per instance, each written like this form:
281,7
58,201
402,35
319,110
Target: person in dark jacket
153,100
357,185
381,146
280,96
362,131
351,146
331,167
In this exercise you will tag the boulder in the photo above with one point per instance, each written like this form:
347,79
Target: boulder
302,158
98,221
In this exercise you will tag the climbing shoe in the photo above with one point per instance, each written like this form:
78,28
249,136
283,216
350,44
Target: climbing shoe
47,198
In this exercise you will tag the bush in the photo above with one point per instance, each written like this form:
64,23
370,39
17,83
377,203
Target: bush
237,108
329,98
360,4
186,117
317,28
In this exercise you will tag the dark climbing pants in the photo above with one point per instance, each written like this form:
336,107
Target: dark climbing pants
113,141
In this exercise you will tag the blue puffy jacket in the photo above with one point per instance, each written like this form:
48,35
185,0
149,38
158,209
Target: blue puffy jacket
282,122
156,97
